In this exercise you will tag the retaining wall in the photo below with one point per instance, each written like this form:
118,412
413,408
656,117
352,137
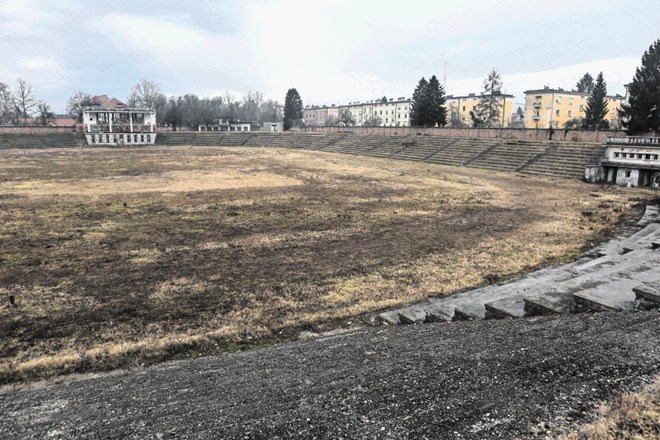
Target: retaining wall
478,133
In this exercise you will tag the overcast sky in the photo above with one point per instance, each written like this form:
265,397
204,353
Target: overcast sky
332,51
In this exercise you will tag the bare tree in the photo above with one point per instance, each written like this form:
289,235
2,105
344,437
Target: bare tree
76,104
46,115
251,103
147,93
24,100
331,121
345,118
271,111
144,94
230,105
7,107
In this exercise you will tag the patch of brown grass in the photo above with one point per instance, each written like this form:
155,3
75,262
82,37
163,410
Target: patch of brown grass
632,416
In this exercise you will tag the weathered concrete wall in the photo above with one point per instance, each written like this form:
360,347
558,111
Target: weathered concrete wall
36,130
627,177
477,133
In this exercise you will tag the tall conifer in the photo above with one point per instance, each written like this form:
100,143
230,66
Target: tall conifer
642,113
597,105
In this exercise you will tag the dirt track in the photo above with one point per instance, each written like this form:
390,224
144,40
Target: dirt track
122,257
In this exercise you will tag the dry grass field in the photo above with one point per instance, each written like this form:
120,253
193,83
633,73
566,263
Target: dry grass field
121,257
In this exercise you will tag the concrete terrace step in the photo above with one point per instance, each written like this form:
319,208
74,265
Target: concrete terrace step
648,295
617,293
617,276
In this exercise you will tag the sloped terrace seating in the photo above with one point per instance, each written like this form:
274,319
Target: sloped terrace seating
565,160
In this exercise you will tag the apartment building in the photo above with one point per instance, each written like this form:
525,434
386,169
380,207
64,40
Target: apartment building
317,116
545,108
388,113
459,108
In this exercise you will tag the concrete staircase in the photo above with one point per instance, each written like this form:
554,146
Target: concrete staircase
621,275
176,138
37,140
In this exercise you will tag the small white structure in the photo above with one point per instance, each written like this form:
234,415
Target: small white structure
273,127
632,161
119,126
226,124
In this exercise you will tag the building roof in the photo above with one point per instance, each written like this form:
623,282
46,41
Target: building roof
62,122
474,95
104,101
563,92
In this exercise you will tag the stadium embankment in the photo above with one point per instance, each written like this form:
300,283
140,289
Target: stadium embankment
560,159
538,157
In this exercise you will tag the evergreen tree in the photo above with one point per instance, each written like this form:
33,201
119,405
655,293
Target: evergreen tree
586,84
293,109
419,106
597,105
489,109
642,113
437,113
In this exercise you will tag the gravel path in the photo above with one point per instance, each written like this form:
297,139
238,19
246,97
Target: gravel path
471,380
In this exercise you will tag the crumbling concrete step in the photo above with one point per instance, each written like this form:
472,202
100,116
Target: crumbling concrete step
647,295
439,312
469,312
505,308
389,318
651,214
617,294
412,315
553,302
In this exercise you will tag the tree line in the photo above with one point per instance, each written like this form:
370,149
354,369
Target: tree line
640,114
20,105
189,110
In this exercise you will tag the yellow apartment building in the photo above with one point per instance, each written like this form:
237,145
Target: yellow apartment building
545,108
459,108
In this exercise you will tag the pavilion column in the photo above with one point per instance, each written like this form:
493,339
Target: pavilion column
110,121
130,121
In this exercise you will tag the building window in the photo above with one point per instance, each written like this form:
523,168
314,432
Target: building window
463,108
570,100
627,173
570,113
556,112
616,154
